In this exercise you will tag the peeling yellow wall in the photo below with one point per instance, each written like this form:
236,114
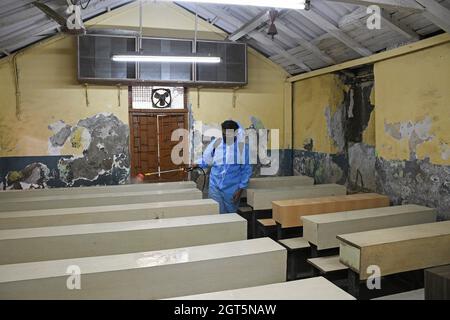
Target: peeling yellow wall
408,89
311,99
49,90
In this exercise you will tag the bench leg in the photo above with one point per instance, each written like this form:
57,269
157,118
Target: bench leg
255,215
298,267
286,233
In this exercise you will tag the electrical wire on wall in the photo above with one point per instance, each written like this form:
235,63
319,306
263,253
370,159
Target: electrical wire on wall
234,101
119,89
17,86
86,94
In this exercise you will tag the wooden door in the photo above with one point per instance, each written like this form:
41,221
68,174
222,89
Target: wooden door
151,145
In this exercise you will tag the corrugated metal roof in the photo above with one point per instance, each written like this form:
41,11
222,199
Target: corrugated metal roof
330,32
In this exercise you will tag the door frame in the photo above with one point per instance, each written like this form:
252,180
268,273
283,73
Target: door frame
152,112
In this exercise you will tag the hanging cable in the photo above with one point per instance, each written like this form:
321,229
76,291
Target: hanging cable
86,94
119,88
17,87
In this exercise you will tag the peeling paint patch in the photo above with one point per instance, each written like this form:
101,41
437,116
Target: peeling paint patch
308,145
104,159
33,176
445,151
108,132
256,123
61,132
362,161
335,127
324,168
415,181
60,137
416,133
351,104
80,138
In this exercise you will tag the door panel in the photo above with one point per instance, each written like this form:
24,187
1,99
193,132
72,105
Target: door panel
151,144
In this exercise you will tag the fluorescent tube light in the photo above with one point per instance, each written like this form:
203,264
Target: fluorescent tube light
284,4
172,59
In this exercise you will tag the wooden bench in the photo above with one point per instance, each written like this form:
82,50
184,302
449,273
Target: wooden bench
99,199
307,289
437,283
150,275
261,199
288,213
65,242
16,194
284,182
100,214
299,250
321,230
403,251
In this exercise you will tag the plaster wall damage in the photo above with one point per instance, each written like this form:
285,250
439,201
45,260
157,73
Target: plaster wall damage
347,118
335,127
415,181
94,151
415,133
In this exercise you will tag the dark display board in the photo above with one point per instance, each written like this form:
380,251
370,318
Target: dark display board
233,67
95,62
95,54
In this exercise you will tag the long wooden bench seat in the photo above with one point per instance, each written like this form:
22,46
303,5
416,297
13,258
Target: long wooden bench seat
288,213
149,275
322,229
16,194
307,289
278,182
65,242
99,214
396,250
261,199
99,199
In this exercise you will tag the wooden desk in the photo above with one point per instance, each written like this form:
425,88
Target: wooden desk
261,199
288,213
322,229
397,250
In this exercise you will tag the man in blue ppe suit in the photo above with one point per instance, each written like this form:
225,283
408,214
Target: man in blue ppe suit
230,167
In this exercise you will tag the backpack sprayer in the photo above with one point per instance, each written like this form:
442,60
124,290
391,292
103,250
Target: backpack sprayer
190,169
